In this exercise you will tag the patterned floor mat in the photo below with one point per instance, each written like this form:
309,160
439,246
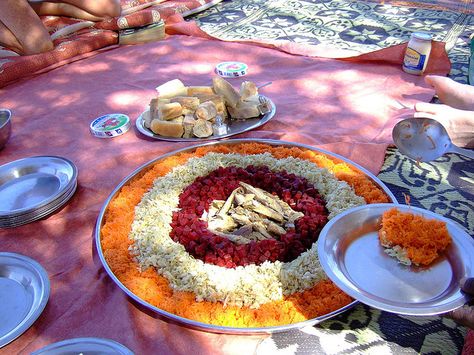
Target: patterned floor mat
445,186
362,26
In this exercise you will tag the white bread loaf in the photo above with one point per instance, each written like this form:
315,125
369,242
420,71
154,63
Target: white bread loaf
206,111
169,111
172,88
167,128
188,125
202,128
224,88
194,90
247,90
244,110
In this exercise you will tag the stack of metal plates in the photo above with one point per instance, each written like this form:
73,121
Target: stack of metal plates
33,188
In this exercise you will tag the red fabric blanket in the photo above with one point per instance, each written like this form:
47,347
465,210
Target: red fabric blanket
74,39
346,106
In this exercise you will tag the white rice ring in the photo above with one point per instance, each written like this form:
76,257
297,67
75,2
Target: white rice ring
249,285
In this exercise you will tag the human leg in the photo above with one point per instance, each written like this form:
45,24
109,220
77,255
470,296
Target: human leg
21,29
93,10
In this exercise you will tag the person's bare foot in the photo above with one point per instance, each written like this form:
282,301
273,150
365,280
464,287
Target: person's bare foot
452,93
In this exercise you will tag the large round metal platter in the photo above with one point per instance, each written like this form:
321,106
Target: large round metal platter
24,292
31,183
84,346
200,325
233,128
351,255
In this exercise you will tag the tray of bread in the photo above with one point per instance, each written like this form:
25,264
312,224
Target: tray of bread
196,113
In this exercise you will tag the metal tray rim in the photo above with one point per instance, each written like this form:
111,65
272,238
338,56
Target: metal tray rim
115,346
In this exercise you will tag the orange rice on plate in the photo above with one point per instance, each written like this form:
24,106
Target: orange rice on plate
413,238
322,298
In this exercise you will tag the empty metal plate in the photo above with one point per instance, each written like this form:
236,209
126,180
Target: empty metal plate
233,128
84,346
352,257
24,292
30,183
43,211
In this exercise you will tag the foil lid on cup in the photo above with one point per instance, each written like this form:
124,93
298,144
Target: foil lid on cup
110,125
231,69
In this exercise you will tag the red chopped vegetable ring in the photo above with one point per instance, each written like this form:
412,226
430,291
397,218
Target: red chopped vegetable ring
191,231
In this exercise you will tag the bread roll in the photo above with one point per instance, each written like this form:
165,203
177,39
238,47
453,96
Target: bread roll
194,90
155,103
206,111
224,88
247,90
218,100
169,111
244,110
188,125
172,88
188,103
146,117
167,128
202,128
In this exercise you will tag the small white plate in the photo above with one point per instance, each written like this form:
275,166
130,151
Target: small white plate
235,126
351,255
84,346
24,292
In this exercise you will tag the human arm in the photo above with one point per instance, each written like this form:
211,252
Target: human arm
465,314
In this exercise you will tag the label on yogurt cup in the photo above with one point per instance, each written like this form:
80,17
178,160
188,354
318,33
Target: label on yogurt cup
110,125
231,69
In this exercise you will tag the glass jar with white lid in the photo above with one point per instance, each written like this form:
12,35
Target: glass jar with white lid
417,53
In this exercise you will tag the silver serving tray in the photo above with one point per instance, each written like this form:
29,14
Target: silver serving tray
351,255
32,183
234,126
170,317
24,292
84,346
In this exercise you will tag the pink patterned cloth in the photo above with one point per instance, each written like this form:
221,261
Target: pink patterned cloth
347,107
75,45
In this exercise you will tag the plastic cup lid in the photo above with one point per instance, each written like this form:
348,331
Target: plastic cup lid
231,69
423,36
110,125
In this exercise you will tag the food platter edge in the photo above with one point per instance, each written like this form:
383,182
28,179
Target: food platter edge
170,317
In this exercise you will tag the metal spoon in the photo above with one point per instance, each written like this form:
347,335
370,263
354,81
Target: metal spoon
424,139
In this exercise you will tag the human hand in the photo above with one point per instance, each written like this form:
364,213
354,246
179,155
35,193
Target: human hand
458,123
452,93
465,314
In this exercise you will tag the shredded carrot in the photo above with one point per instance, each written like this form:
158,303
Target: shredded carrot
407,198
322,298
423,239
